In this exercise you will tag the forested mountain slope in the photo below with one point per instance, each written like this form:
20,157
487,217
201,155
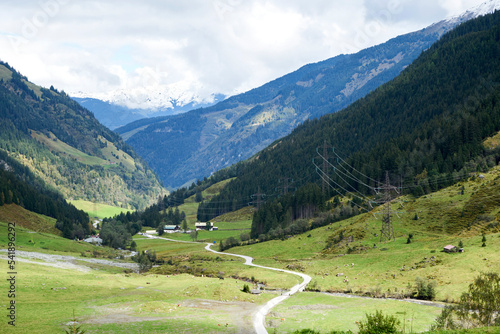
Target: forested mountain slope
19,186
193,145
426,127
66,147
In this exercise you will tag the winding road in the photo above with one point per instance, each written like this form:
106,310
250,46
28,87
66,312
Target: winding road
260,315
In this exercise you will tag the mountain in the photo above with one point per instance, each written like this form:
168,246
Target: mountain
193,145
110,115
426,129
66,147
115,113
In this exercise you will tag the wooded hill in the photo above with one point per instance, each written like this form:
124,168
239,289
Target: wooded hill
18,185
66,147
426,128
193,145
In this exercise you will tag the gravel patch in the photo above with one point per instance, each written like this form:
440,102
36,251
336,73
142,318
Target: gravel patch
66,261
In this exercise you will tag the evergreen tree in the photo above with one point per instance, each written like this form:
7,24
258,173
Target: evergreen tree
198,197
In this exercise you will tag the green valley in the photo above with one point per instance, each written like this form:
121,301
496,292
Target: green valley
381,218
187,290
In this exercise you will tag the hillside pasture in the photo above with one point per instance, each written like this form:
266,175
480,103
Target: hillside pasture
98,210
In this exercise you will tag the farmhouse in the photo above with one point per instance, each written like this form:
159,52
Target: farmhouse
171,228
94,240
450,249
203,226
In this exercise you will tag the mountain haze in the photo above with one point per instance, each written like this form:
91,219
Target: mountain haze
190,146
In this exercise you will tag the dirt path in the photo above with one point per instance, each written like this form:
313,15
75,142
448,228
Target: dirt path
259,316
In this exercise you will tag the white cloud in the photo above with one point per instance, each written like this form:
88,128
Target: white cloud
205,47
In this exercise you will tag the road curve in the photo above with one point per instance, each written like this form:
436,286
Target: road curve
259,317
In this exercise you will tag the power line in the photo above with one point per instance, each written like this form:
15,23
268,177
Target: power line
337,171
327,180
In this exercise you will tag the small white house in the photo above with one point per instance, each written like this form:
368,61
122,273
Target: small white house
171,228
203,226
94,240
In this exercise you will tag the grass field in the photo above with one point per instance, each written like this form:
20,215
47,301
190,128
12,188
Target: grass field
226,230
102,302
201,262
98,210
5,73
387,269
190,207
110,152
114,155
325,313
12,213
107,301
30,241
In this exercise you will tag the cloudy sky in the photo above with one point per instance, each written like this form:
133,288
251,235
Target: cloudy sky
200,47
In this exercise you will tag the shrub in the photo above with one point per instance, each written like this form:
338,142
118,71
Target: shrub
425,289
477,307
379,323
245,236
445,320
246,288
145,260
484,298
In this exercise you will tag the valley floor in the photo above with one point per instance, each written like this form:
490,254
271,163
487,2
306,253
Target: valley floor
55,286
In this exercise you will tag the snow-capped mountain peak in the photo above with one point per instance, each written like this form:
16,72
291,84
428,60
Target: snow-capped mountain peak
486,7
154,98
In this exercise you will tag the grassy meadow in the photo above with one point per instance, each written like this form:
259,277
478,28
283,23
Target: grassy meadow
324,313
103,302
42,242
12,213
54,144
98,210
226,230
113,300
